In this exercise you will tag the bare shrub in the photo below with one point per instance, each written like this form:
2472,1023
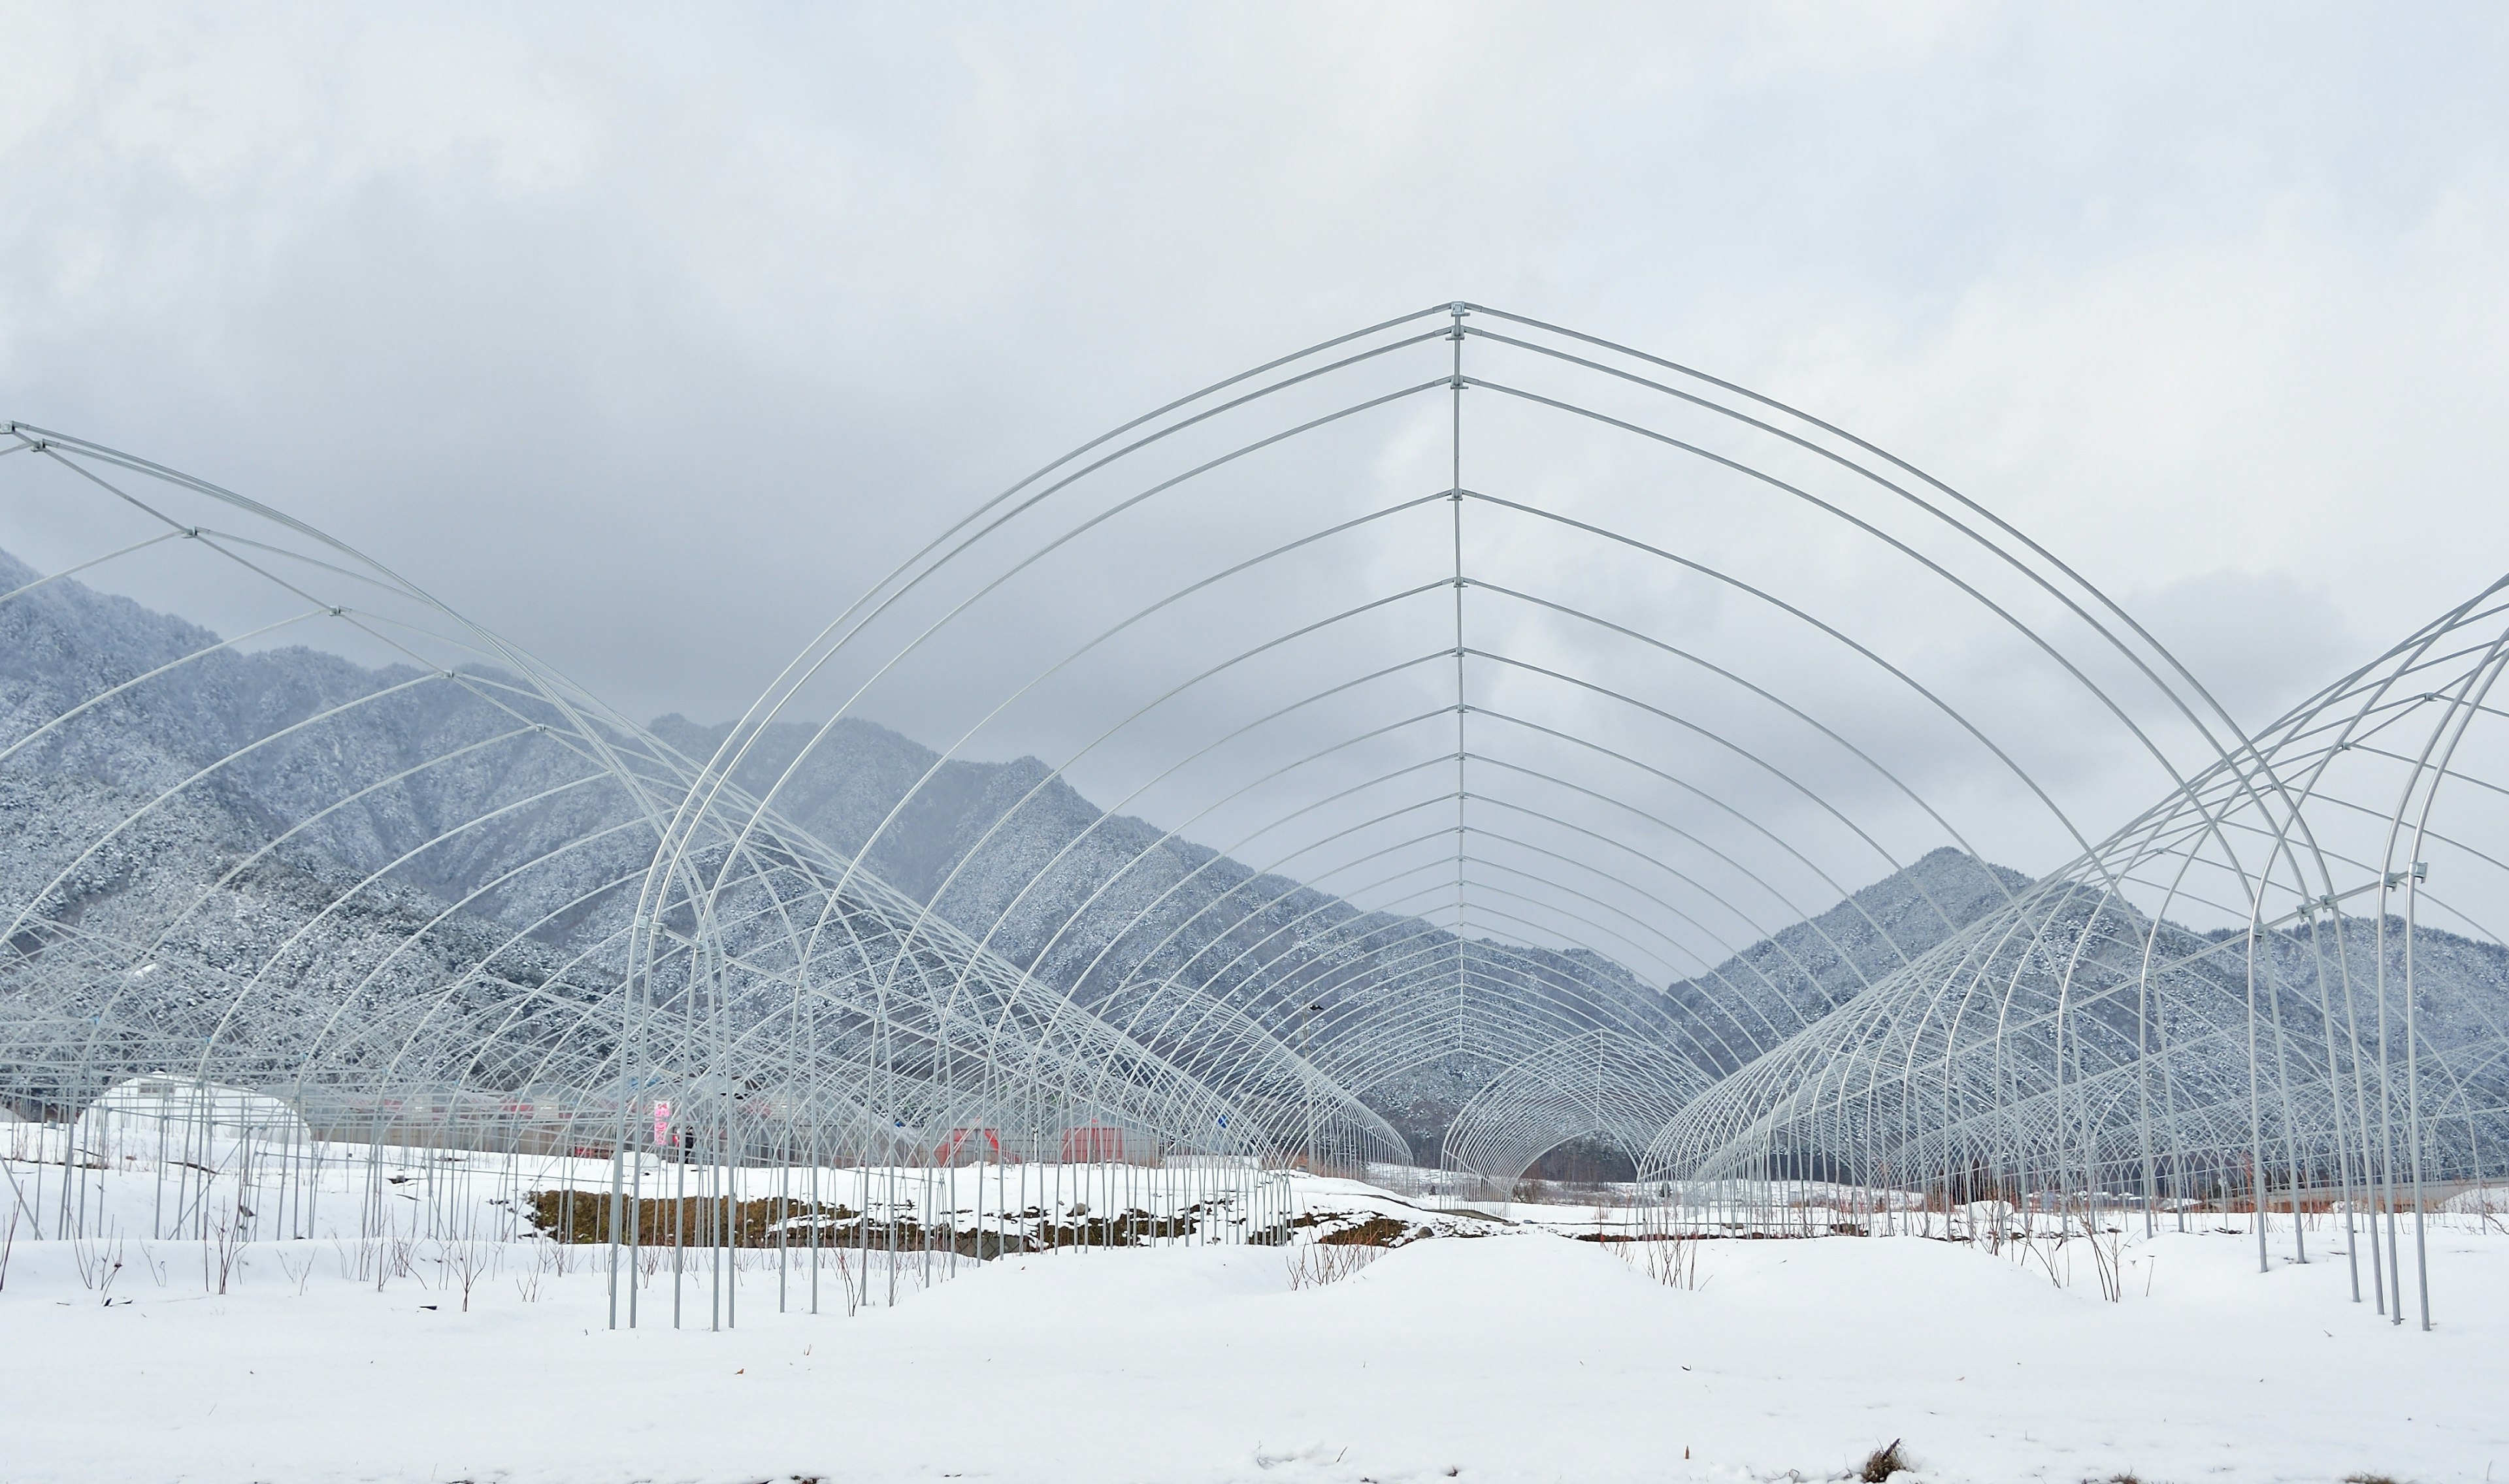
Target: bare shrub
845,1280
1320,1264
100,1263
221,1256
1672,1261
396,1256
1882,1463
529,1284
2107,1256
470,1259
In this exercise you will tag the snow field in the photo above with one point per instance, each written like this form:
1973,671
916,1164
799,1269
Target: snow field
1520,1356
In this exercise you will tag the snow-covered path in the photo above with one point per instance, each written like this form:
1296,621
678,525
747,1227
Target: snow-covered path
1512,1357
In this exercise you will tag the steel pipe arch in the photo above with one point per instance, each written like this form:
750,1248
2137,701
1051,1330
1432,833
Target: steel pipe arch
1476,705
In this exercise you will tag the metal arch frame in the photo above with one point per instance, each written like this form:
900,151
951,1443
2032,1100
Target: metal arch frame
2022,1047
820,656
425,1030
1301,541
2308,1112
1534,1108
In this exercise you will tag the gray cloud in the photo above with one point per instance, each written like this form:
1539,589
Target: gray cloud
650,341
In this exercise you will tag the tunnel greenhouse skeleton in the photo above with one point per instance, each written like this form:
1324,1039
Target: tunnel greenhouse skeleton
1524,720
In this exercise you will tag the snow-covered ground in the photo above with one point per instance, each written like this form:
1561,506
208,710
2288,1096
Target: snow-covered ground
1517,1355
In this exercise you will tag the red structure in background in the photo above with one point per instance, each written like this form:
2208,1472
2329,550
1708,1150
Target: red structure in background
1092,1143
947,1152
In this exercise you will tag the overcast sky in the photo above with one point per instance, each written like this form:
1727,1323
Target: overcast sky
648,336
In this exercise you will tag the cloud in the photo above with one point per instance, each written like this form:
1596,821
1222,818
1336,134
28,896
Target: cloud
651,343
2260,643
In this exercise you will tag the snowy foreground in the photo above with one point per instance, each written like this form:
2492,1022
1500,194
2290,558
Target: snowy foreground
1525,1355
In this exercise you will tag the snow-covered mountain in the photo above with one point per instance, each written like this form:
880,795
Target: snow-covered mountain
223,806
263,783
